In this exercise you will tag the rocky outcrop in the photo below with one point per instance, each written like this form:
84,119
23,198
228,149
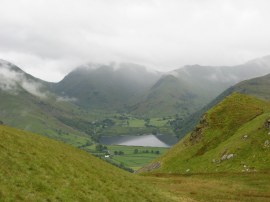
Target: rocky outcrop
266,144
196,134
227,157
267,124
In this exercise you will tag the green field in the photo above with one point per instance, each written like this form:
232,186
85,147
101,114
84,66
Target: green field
135,160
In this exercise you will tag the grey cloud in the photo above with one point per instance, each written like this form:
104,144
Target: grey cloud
48,38
13,82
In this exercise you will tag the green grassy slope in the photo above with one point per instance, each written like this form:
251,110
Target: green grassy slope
258,87
28,112
231,137
34,168
27,103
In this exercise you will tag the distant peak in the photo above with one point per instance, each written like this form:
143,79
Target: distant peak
4,62
8,65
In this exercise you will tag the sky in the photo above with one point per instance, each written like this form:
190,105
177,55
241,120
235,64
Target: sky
49,38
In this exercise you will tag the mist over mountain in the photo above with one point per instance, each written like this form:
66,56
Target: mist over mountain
186,90
13,80
125,88
257,87
107,87
27,103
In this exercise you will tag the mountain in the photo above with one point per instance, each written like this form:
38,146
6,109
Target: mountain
233,136
110,87
27,103
35,168
186,90
258,87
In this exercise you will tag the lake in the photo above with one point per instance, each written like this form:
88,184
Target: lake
147,140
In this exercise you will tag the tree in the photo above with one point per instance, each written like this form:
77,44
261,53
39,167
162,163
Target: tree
146,122
121,153
155,131
157,152
136,151
1,122
115,152
100,148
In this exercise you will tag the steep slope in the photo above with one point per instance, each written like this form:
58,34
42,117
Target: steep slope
26,103
34,168
258,87
186,90
107,87
233,136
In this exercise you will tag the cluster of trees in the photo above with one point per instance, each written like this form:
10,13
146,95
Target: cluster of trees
93,129
121,117
118,153
176,124
136,151
1,122
101,148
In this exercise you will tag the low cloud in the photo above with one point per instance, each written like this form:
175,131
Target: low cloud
13,81
48,38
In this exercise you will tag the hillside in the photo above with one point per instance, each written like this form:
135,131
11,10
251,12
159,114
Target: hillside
27,103
34,168
110,87
233,136
186,90
258,87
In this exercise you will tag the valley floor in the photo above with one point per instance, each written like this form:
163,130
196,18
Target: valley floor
246,187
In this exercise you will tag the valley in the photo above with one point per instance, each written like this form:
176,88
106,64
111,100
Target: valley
134,101
171,137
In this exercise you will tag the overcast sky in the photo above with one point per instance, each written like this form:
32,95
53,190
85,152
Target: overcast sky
47,38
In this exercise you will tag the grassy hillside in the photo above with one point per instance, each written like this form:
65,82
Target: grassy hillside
231,137
34,168
258,87
28,112
26,103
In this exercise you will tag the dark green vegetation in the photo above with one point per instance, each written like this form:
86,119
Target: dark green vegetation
34,168
233,136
